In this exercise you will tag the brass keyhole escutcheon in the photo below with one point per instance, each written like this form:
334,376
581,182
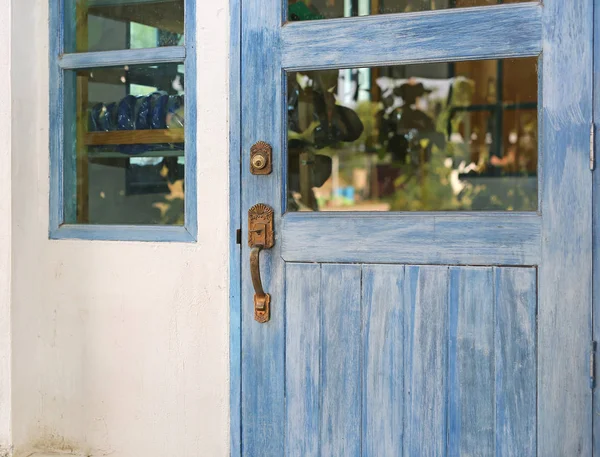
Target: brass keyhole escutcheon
259,161
261,156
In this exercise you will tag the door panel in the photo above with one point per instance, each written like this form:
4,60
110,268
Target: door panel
410,360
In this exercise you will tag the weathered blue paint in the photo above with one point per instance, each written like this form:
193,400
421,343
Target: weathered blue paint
596,225
123,233
341,363
191,123
235,311
515,361
56,112
461,330
471,360
303,360
489,32
383,360
425,375
61,167
493,238
565,273
403,361
263,358
123,57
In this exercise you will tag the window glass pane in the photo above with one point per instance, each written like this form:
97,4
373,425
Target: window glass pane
106,25
303,10
124,145
426,137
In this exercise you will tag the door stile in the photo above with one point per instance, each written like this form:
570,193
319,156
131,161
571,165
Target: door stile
262,344
596,229
565,278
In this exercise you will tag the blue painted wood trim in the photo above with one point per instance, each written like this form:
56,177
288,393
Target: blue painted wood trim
596,229
565,275
58,63
443,239
489,32
127,56
56,112
153,233
191,123
263,361
235,208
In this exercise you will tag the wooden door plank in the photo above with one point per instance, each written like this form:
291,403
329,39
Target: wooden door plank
565,273
515,339
263,345
426,296
341,360
441,239
453,34
383,374
471,363
303,347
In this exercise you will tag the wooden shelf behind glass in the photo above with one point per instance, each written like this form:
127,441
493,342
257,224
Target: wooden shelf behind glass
156,136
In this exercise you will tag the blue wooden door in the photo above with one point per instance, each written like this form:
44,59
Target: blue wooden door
442,315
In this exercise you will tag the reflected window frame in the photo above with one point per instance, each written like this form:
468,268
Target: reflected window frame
60,63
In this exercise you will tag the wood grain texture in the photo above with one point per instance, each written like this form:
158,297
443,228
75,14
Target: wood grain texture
263,359
471,238
471,384
515,341
235,222
425,384
164,54
565,278
56,112
383,348
135,137
303,360
459,34
341,360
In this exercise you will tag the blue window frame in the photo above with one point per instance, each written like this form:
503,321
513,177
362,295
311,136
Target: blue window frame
172,52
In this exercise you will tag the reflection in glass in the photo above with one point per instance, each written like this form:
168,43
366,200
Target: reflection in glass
427,137
305,10
106,25
124,145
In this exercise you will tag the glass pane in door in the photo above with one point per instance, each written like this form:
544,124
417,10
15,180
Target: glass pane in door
426,137
303,10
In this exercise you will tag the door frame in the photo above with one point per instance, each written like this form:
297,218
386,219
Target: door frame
595,308
235,224
236,237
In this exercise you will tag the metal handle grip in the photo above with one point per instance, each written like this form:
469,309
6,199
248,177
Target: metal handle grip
262,300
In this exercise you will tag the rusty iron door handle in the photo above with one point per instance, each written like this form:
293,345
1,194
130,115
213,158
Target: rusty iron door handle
260,236
262,300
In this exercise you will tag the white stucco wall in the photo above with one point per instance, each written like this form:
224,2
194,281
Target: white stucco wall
119,349
5,231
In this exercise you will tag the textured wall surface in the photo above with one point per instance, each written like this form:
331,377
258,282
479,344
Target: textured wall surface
119,348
